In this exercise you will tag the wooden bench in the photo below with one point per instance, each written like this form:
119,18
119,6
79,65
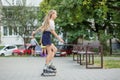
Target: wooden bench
86,54
74,51
94,51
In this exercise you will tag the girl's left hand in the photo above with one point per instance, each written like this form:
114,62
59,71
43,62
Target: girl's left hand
61,40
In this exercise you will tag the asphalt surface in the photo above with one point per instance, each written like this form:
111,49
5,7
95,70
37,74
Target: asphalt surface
30,68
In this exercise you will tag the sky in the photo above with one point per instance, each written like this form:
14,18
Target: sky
29,2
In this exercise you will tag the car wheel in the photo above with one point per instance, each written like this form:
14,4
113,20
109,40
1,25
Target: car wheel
2,54
21,53
15,54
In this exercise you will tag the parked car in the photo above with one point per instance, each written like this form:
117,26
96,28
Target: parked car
63,50
22,50
7,50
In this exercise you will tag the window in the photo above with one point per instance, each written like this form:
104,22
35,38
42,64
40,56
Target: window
11,47
15,31
9,14
5,31
17,2
10,30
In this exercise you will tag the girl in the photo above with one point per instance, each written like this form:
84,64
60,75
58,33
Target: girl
33,43
48,28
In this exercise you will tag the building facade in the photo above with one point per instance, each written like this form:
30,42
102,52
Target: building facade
8,34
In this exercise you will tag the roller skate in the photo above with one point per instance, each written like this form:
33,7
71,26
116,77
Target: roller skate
48,72
52,67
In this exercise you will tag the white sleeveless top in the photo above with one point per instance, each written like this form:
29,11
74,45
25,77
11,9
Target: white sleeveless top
52,26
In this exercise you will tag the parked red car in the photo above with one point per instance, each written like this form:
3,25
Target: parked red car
22,50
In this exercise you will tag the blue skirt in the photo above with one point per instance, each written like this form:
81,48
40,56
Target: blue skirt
46,38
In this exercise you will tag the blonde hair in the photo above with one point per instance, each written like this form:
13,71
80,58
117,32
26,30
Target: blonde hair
46,24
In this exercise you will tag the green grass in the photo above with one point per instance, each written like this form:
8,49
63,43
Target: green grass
112,63
113,55
108,64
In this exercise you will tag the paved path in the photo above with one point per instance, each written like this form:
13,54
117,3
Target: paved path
30,68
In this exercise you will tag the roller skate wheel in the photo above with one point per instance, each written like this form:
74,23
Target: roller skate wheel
42,74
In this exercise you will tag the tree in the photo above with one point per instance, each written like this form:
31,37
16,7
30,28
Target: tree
104,13
75,16
21,19
113,17
69,15
113,20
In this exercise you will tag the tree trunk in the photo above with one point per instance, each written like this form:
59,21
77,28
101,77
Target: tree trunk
98,34
110,47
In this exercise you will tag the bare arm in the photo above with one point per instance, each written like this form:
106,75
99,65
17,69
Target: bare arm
38,29
55,34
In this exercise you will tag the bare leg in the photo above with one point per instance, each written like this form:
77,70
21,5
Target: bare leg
50,54
54,50
51,50
33,52
44,52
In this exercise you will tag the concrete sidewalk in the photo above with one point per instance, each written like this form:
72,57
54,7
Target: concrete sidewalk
30,68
